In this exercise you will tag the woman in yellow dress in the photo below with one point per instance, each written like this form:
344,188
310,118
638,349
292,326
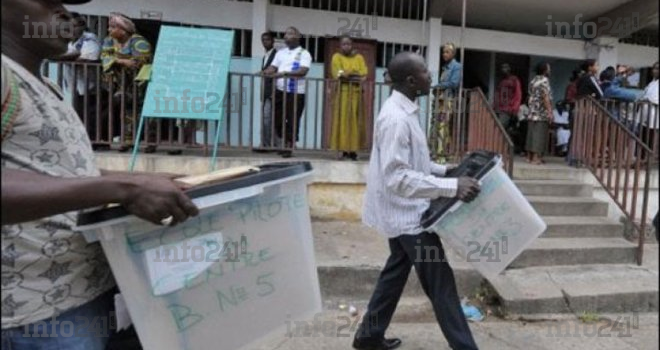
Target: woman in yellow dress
349,68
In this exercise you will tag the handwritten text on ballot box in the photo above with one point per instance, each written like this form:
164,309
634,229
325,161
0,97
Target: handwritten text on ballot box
495,228
219,303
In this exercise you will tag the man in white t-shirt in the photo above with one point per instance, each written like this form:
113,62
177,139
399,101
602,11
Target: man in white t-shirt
84,48
290,66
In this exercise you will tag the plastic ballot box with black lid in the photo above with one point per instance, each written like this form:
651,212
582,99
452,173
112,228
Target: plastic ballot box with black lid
492,230
234,274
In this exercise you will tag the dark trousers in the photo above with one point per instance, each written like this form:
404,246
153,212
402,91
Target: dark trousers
288,112
423,251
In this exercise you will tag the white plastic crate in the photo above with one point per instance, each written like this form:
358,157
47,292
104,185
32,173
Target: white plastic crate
226,304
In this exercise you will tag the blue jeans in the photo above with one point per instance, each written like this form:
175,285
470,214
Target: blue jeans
87,327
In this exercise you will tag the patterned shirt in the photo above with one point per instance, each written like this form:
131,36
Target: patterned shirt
539,87
399,181
47,268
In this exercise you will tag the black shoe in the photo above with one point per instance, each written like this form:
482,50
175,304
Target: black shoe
286,154
380,344
259,150
150,149
175,152
353,156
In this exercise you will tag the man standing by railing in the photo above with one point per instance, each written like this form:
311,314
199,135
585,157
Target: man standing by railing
290,67
267,41
507,99
84,47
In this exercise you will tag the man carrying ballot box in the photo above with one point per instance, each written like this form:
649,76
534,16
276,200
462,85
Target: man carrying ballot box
400,186
54,283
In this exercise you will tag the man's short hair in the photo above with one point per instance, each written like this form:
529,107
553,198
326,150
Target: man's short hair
268,34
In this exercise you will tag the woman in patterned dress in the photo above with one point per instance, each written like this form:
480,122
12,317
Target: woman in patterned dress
123,48
540,114
447,95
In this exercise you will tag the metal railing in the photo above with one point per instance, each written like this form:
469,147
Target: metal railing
617,157
111,113
640,117
475,126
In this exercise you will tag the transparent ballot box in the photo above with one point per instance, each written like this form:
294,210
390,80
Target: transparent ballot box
226,278
491,231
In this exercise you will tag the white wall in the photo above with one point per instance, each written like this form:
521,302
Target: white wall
321,23
222,13
636,55
491,40
234,14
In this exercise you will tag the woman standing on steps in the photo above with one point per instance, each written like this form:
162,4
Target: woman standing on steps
540,114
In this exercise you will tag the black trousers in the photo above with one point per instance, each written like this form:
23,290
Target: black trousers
425,252
288,112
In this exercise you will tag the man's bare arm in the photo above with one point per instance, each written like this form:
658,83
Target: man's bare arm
28,196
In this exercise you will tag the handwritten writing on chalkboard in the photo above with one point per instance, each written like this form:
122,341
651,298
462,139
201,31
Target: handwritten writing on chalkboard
189,73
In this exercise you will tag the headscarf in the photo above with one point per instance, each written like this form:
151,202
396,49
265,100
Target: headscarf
123,22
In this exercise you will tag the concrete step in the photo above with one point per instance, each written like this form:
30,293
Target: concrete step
568,206
578,289
576,226
552,171
410,309
359,282
559,188
576,251
350,256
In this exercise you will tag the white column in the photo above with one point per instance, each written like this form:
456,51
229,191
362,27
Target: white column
433,49
260,24
605,50
491,79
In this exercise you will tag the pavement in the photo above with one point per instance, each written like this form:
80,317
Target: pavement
334,331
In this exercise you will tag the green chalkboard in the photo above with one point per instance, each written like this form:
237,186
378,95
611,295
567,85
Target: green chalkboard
188,78
189,74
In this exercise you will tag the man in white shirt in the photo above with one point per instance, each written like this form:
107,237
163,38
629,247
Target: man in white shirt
83,48
648,111
290,66
401,182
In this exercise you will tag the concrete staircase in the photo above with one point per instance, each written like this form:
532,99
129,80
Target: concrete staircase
581,263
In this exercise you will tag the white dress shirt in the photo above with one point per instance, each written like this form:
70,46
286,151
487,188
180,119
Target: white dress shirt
399,181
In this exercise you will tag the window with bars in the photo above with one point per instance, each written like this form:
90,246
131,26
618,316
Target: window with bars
151,28
386,50
644,38
401,9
